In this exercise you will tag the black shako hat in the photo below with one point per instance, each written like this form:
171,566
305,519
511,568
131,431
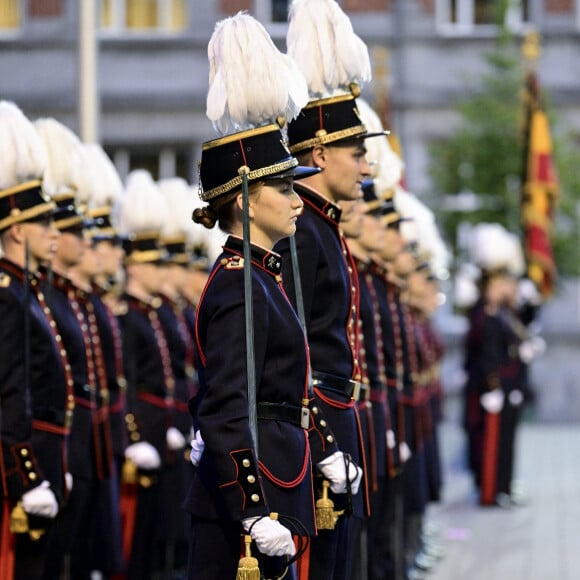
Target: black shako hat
143,248
68,216
260,152
24,202
328,120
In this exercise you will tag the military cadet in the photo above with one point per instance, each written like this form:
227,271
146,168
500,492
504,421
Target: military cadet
89,454
99,265
252,476
501,393
329,134
35,377
176,476
150,378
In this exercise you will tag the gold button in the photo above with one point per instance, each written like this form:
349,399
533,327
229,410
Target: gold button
251,479
32,476
322,423
330,438
246,463
255,497
24,452
315,410
28,464
134,436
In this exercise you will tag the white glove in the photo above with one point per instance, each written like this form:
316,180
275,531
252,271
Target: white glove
516,398
526,351
270,536
197,447
175,439
391,440
68,481
143,455
40,501
333,469
539,345
492,402
404,452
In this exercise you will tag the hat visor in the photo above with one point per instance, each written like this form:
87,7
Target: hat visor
299,172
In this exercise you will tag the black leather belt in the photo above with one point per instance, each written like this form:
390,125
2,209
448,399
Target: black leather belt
294,414
346,387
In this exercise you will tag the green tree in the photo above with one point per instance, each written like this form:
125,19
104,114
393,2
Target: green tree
485,158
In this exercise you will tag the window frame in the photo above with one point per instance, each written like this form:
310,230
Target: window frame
465,25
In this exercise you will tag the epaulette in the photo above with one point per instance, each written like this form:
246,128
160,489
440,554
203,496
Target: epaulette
233,263
4,280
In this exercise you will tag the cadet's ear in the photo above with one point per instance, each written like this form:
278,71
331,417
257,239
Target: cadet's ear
16,233
319,156
240,204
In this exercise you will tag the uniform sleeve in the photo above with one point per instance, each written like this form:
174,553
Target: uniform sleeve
223,409
19,469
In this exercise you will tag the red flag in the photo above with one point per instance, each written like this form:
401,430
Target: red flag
539,192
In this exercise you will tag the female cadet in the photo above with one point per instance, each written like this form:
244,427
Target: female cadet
234,489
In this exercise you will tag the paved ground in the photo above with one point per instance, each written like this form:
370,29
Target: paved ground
540,541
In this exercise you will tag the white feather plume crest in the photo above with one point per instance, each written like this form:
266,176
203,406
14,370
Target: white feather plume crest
251,83
422,228
386,165
177,195
107,185
322,41
67,166
491,246
22,153
465,288
142,207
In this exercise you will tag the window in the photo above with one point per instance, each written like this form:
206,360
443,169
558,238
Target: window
10,15
272,11
161,162
144,15
465,16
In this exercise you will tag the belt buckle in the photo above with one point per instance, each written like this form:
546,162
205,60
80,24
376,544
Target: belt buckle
304,418
356,390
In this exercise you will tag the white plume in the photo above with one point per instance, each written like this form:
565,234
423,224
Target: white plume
386,165
66,162
107,186
22,152
251,83
516,263
422,228
176,193
143,208
328,52
490,246
465,288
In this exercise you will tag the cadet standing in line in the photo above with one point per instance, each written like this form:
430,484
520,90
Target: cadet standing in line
328,134
150,379
90,460
36,385
252,477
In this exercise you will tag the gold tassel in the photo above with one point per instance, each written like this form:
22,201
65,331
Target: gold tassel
129,472
248,566
326,517
19,523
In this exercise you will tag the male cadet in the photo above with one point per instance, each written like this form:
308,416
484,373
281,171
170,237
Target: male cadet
150,376
329,134
90,460
35,380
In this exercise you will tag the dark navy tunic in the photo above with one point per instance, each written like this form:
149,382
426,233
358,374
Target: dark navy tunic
228,484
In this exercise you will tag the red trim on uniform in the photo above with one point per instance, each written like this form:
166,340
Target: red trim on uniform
332,402
128,513
156,401
50,427
7,544
489,458
364,480
303,564
295,481
202,356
